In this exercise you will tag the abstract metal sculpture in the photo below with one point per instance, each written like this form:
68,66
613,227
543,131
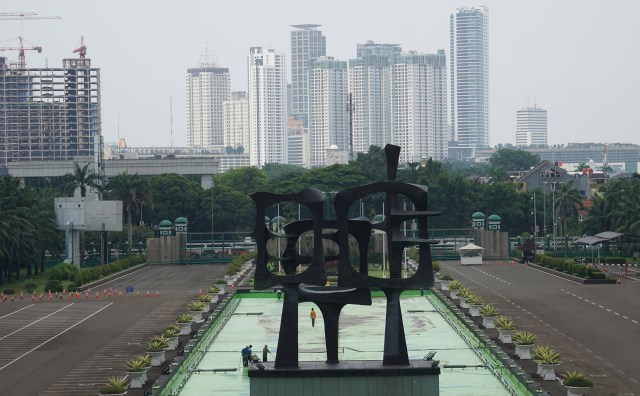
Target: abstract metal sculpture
353,284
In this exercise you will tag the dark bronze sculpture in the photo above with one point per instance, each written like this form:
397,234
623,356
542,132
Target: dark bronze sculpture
353,285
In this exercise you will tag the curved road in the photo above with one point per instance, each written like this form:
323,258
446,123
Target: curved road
594,327
71,346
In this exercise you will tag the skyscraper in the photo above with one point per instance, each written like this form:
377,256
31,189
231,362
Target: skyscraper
236,121
267,107
469,59
328,117
306,42
531,128
419,105
50,113
208,87
370,87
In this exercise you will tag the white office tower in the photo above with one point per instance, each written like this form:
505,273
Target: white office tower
531,128
419,105
307,42
236,121
208,87
469,58
369,85
328,116
267,107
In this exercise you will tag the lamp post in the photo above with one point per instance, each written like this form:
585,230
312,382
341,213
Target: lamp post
553,207
544,208
535,220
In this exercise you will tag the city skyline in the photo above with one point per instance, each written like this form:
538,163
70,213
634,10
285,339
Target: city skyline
557,64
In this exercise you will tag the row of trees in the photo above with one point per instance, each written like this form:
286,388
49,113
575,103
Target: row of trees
455,188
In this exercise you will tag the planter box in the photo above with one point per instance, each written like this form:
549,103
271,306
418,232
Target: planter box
524,351
156,358
214,299
488,323
577,390
206,307
474,310
505,336
453,294
444,285
197,315
221,287
173,343
137,378
463,303
547,371
185,328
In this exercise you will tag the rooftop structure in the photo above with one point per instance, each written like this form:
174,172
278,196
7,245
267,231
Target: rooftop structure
531,127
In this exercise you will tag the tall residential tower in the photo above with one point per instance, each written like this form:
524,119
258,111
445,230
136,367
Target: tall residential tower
306,42
208,87
267,96
469,59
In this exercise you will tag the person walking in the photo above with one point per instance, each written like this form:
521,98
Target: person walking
265,352
312,315
245,356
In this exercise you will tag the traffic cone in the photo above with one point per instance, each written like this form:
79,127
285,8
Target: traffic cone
110,293
105,292
97,296
120,295
12,298
157,294
87,295
147,295
2,297
138,293
200,292
70,296
50,296
33,297
21,296
41,296
78,295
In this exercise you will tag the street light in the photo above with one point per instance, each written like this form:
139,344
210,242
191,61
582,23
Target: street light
544,208
535,220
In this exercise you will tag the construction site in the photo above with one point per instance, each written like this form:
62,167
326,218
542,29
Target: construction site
48,113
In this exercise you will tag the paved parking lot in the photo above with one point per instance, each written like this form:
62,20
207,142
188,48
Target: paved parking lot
593,327
71,346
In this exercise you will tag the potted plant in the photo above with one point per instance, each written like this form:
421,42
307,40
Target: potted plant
195,309
209,297
220,283
171,333
506,327
137,372
184,321
444,281
213,290
205,299
547,359
576,383
475,303
524,341
156,347
463,295
454,286
115,386
488,312
146,359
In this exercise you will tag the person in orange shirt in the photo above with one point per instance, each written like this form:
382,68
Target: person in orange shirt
312,315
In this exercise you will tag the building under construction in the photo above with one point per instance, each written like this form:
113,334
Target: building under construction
50,113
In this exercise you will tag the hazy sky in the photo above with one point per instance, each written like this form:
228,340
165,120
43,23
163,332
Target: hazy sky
577,59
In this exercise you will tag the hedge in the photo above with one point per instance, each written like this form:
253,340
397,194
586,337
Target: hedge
236,264
569,267
87,275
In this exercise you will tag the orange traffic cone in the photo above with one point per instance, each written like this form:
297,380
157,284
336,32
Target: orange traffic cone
33,297
120,295
157,294
12,298
147,295
97,296
200,292
21,296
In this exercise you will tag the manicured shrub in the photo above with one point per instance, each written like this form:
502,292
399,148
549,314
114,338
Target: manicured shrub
53,286
62,271
30,285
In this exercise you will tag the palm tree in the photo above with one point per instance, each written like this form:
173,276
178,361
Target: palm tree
567,200
129,189
83,177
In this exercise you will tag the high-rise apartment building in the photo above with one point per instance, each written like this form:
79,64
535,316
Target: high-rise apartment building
267,95
208,87
298,142
469,59
370,89
307,42
531,126
328,116
374,48
50,113
419,105
236,121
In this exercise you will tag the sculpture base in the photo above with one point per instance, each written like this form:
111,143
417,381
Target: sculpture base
347,378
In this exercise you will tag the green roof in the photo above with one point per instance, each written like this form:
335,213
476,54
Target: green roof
165,223
478,215
181,220
494,217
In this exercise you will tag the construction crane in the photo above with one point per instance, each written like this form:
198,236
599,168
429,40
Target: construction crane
21,16
82,50
20,48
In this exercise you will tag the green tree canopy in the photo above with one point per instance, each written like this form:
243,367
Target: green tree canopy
513,160
246,179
